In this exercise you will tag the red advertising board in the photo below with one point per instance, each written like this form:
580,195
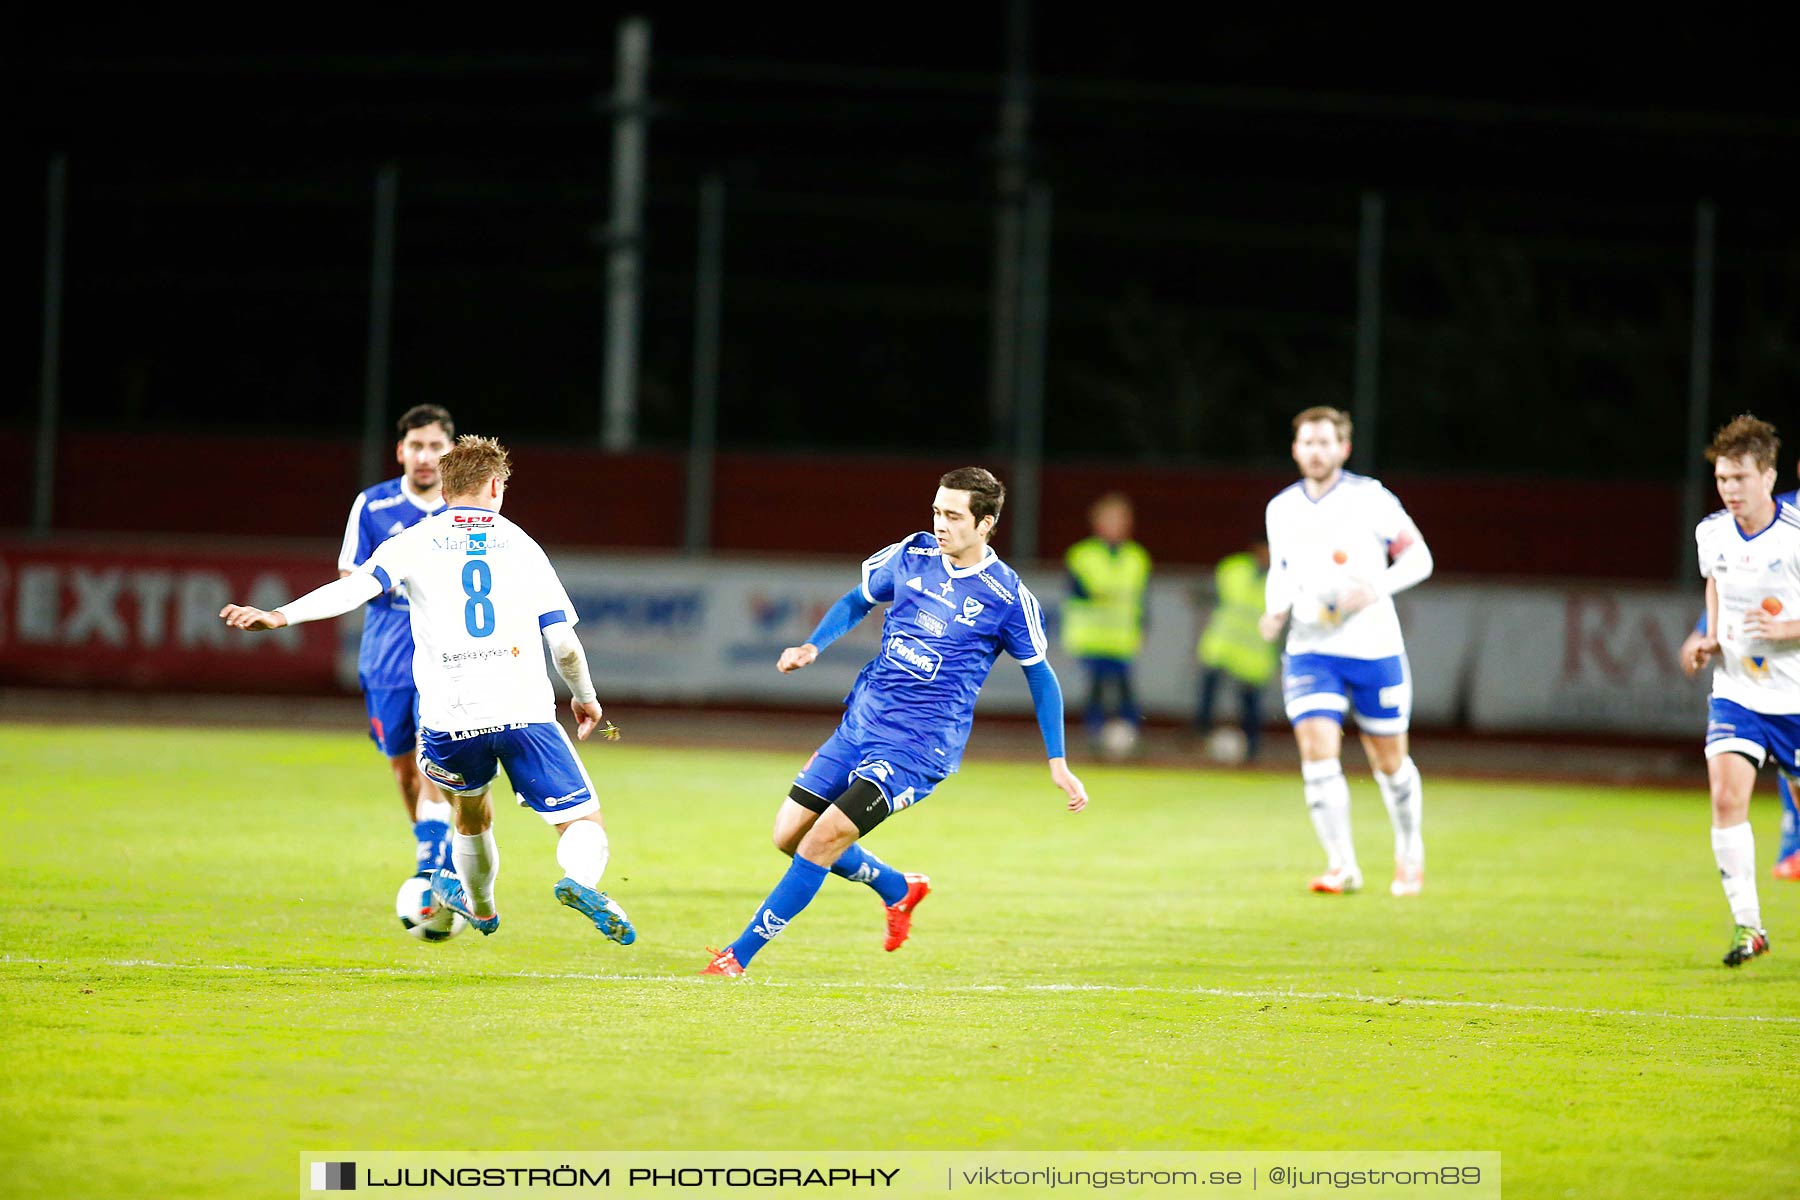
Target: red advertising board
122,615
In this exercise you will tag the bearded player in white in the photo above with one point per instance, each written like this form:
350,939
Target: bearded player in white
1340,547
482,593
1749,553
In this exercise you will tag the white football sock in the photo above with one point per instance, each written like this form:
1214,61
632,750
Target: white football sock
1734,849
1328,801
582,852
477,859
1404,795
429,809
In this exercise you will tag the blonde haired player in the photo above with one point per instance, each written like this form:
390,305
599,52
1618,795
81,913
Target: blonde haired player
1340,547
1749,553
483,594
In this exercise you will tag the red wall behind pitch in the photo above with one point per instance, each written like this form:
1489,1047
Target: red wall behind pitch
299,487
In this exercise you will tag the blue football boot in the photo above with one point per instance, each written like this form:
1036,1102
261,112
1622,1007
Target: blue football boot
597,907
448,890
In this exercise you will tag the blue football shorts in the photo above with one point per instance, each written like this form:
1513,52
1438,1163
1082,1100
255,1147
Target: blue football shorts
1377,690
540,760
902,779
1733,729
393,718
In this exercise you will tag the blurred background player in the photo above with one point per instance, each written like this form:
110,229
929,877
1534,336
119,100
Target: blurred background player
1232,648
1749,554
1787,850
1340,547
482,595
1103,620
384,659
952,607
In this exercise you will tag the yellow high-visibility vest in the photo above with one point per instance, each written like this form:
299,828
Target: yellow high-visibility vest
1109,623
1231,639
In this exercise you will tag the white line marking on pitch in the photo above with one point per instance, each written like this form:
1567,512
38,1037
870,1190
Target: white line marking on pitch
1108,988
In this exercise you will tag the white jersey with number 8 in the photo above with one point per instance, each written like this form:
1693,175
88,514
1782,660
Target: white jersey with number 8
481,591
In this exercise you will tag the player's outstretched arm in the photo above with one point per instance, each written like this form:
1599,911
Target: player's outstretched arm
321,604
838,620
242,616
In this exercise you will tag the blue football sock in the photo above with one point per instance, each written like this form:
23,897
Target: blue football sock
1790,818
434,844
859,866
791,895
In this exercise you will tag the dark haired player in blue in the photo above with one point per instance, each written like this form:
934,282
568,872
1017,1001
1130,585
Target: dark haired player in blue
1787,854
385,657
952,607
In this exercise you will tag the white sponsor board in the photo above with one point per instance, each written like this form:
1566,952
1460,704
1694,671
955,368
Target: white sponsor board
1491,657
1582,660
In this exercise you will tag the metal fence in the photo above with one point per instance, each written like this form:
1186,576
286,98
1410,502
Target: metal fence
996,264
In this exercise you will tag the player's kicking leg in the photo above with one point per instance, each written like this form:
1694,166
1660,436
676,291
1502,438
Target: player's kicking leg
1731,766
469,890
462,770
856,811
824,778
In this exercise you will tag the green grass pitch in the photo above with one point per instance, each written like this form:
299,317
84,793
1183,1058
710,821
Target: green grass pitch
203,976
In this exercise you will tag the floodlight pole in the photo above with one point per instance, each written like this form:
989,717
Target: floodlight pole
1366,403
381,315
1013,162
56,195
708,290
624,254
1693,498
1025,503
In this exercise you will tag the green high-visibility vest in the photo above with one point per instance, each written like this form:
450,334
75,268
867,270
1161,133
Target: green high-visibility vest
1231,639
1109,623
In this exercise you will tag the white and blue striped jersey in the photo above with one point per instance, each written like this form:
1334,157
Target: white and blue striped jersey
384,658
482,592
1319,548
1754,571
943,630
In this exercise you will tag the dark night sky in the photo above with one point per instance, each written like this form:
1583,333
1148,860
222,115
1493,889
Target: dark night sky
1539,186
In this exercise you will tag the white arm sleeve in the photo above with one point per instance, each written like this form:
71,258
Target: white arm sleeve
1413,566
333,600
571,661
352,536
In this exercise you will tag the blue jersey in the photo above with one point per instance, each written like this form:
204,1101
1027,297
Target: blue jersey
384,659
944,627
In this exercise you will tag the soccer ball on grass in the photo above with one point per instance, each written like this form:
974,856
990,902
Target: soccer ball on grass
421,914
